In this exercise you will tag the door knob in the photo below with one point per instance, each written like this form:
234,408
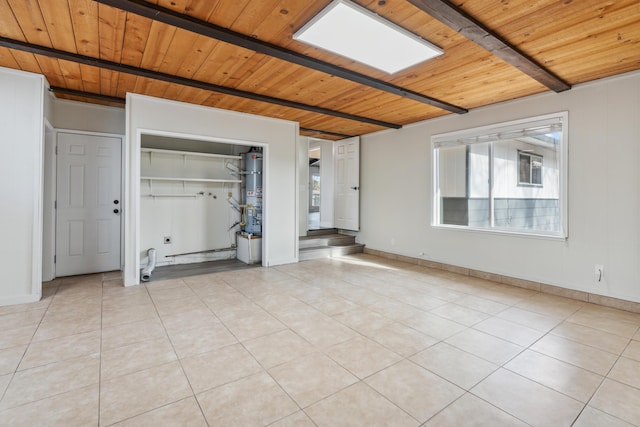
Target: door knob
355,188
115,202
115,211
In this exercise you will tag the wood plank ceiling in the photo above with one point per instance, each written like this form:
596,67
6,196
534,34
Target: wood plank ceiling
113,52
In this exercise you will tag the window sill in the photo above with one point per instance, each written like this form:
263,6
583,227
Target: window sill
503,232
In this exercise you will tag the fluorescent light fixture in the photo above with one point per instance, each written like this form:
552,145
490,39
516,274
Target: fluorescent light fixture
352,31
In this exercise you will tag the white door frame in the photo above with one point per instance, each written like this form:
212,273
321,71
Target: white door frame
54,163
302,175
48,209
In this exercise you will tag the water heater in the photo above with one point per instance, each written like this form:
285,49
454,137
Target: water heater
253,191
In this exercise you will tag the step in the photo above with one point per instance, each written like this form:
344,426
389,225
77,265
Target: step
322,231
319,252
334,239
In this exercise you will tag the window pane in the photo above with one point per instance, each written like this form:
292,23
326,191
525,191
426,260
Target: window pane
479,179
536,170
464,185
453,185
525,169
527,206
499,180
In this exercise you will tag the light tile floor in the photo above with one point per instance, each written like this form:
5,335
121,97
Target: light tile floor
354,341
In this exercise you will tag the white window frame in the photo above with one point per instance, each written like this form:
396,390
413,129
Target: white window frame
484,133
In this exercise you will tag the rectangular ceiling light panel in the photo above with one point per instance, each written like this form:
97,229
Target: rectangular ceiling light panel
352,31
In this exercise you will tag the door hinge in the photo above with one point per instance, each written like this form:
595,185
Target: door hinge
55,204
54,259
56,150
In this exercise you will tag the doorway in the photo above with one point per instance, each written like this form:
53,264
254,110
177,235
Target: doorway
320,184
88,203
315,188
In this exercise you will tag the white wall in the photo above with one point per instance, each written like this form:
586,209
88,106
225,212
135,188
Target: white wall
603,185
21,172
74,115
195,224
278,137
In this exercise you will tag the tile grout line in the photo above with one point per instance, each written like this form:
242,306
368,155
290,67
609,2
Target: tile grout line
100,363
370,290
525,348
323,352
193,394
266,371
362,380
15,371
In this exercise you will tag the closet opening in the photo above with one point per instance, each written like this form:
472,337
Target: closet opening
200,206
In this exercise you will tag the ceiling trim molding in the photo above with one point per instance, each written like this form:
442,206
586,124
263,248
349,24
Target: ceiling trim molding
141,72
454,17
188,23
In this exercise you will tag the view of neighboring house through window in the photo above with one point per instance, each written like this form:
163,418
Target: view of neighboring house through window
509,177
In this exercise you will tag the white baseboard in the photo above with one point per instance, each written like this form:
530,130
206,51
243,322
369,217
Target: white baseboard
282,262
21,299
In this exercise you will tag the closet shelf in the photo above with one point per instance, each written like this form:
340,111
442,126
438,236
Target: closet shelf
162,178
189,153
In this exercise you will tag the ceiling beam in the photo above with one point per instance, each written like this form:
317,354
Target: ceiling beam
188,23
90,95
454,17
123,101
322,132
141,72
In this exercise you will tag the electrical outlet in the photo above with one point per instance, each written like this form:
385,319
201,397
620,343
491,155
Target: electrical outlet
599,272
168,240
229,194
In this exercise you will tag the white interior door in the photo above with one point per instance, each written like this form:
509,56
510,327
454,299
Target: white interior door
347,184
88,204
